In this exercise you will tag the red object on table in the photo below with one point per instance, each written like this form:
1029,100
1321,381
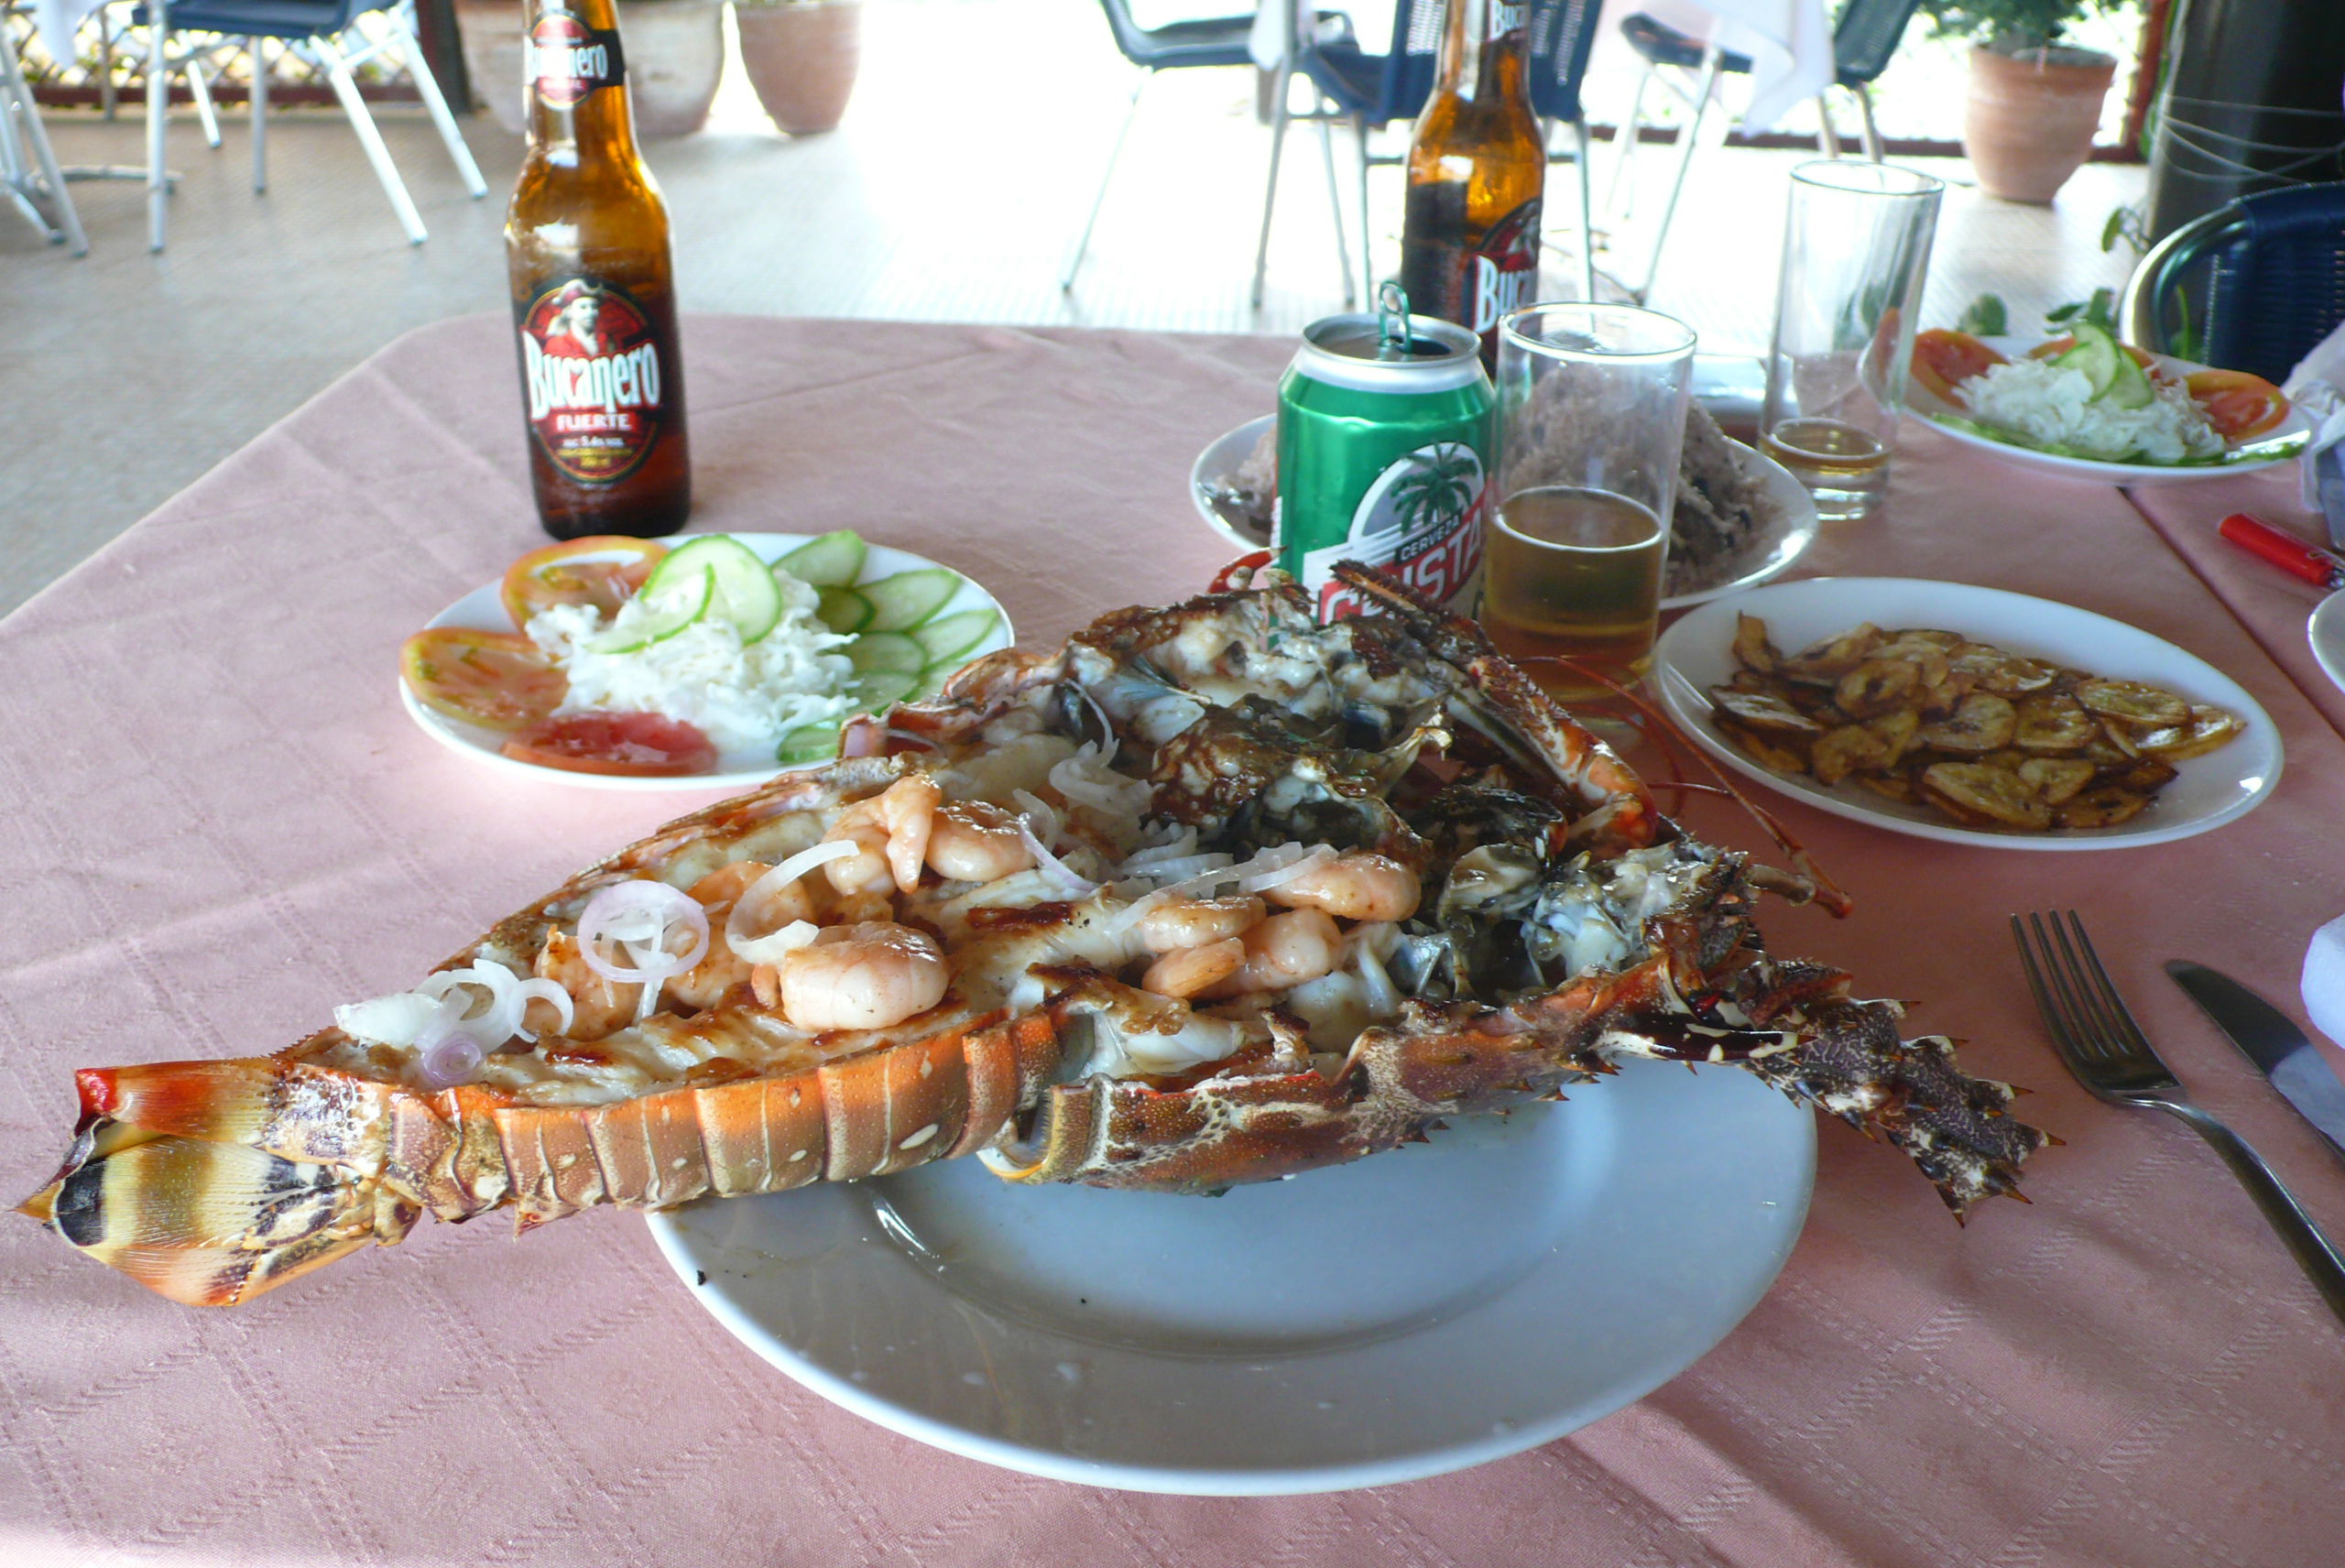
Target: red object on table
2284,550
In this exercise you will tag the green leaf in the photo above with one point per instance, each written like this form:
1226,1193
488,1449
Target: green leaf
1985,317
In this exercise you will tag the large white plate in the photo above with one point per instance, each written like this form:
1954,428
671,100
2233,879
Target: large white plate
2326,632
2279,445
482,610
1768,556
1696,653
1431,1308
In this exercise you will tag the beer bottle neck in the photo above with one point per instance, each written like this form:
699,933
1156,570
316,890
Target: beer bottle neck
575,76
1485,49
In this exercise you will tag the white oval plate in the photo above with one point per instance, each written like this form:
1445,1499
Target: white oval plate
1441,1305
1766,557
2326,632
2283,444
2222,785
482,610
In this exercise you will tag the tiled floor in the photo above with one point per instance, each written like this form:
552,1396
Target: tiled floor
953,192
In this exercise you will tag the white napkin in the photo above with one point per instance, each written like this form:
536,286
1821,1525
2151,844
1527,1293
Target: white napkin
2312,385
2324,980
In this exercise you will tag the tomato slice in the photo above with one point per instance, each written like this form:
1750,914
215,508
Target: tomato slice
1943,360
555,576
2237,404
2061,345
648,744
500,680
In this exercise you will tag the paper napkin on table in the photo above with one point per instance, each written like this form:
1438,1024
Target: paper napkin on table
2312,385
2324,980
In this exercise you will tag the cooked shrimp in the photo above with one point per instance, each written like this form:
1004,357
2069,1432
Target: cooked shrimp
1189,971
972,840
599,1006
721,969
892,828
1172,924
867,975
1283,951
1359,886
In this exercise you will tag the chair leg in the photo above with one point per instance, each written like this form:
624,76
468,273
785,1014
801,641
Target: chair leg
201,91
1628,150
1367,229
1586,207
1335,206
1693,134
1871,132
1279,117
338,73
1099,199
427,87
105,64
257,46
1824,133
55,206
159,109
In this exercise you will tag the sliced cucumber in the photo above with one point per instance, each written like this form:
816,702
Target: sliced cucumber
950,637
808,743
746,593
885,650
905,599
645,623
2097,354
844,611
2131,387
833,561
876,690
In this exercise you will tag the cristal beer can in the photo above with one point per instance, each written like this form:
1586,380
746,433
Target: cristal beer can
1385,448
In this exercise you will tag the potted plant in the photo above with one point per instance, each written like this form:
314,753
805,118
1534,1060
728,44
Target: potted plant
2034,102
675,56
800,56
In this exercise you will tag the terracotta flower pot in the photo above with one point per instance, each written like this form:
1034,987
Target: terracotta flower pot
675,56
2030,119
802,56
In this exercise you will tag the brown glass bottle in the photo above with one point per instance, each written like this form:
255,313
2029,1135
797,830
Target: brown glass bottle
594,293
1477,167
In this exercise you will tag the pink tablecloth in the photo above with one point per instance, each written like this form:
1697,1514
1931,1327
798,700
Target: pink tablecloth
218,824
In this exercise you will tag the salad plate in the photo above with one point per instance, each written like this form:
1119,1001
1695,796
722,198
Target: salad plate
1368,1324
1773,551
2283,443
484,610
2220,786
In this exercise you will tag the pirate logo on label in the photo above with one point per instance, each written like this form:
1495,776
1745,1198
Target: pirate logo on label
591,373
567,59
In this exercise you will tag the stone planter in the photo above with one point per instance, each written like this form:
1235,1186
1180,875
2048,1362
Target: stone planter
800,56
2031,117
675,56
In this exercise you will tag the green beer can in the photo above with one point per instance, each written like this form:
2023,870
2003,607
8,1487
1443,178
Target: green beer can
1385,447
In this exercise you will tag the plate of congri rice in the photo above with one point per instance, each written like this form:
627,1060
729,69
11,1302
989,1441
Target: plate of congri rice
2090,408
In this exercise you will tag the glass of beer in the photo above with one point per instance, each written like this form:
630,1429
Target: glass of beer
1856,253
1591,420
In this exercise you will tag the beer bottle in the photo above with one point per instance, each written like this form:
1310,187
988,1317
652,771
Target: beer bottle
594,293
1478,165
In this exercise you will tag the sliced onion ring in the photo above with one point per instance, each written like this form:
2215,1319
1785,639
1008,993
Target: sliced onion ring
494,1024
1076,883
1317,854
638,917
770,946
549,992
446,1055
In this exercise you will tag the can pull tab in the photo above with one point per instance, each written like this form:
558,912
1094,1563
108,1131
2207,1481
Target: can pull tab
1393,334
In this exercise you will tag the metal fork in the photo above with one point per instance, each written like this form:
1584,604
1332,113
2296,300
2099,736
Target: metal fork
2106,1050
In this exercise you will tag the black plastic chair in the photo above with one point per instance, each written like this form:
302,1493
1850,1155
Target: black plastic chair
2258,281
1174,46
1863,41
1371,90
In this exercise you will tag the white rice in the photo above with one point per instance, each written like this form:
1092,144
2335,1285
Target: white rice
2048,405
744,699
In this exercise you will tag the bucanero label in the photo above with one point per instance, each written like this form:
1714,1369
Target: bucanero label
1421,522
565,59
591,375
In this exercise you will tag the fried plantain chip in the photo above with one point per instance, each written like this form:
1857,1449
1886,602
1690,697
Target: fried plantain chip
1765,713
2209,728
1877,686
1987,793
1827,661
2102,808
1752,649
2056,778
2053,722
2132,702
1981,722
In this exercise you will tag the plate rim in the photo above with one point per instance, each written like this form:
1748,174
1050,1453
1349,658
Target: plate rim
2329,615
1933,410
1789,1221
473,742
1676,689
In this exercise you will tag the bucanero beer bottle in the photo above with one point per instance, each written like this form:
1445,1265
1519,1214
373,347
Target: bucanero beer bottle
1478,166
594,293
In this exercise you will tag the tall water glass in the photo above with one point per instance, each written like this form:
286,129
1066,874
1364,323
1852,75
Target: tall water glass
1855,254
1591,421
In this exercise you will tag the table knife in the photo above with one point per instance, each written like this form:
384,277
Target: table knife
2266,1038
2329,479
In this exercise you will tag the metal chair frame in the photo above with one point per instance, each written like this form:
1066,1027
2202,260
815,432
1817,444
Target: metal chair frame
385,30
28,168
2224,243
